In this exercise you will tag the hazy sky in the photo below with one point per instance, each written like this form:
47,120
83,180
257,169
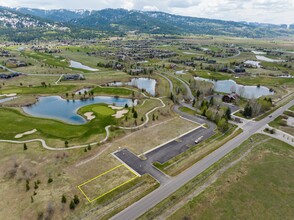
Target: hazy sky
269,11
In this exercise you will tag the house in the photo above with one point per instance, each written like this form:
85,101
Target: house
73,77
9,76
211,61
230,97
15,63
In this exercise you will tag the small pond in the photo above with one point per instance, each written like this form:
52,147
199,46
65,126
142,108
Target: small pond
253,63
258,52
266,59
78,65
54,107
229,86
147,84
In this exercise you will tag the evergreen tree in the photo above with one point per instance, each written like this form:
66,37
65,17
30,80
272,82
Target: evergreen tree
63,199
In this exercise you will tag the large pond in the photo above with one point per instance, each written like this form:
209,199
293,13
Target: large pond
78,65
147,84
229,86
54,107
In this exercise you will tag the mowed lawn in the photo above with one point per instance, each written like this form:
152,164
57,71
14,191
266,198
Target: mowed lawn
259,187
113,91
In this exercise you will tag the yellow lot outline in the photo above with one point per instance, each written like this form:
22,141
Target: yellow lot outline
79,186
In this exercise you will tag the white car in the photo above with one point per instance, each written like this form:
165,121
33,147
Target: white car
198,140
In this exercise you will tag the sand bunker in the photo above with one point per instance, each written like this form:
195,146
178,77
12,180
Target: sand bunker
120,114
25,133
8,95
90,116
115,107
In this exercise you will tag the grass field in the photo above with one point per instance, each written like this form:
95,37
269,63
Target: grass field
106,182
60,89
113,91
188,110
281,124
260,187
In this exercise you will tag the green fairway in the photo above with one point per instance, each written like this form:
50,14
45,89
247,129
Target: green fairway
98,110
260,187
16,122
112,91
62,89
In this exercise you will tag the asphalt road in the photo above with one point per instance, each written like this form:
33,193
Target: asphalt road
146,203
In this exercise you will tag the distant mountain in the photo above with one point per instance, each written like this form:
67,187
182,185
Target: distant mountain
15,20
121,21
57,15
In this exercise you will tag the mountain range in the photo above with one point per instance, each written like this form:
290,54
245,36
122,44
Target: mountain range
86,23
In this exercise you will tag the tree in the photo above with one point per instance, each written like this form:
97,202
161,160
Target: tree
193,103
135,115
72,205
27,185
76,199
66,143
25,146
36,185
247,111
142,119
223,125
228,114
126,106
153,117
89,147
63,199
50,180
211,101
198,93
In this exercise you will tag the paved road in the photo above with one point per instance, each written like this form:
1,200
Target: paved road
146,203
161,154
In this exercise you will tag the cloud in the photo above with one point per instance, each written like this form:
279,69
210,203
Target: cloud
150,8
271,11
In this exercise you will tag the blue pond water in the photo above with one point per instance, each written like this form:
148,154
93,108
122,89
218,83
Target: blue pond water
229,86
142,83
54,107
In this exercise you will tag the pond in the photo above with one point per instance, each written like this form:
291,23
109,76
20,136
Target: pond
147,84
229,86
253,63
54,107
266,59
78,65
258,52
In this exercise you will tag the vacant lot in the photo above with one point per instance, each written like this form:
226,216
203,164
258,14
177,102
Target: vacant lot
106,182
148,138
281,124
260,187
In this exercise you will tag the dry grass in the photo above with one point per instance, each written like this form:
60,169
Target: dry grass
156,134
